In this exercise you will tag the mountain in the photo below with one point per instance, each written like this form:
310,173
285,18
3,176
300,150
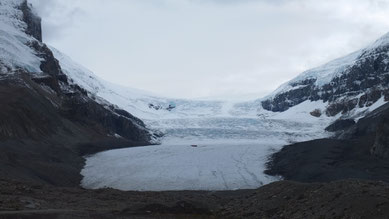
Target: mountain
47,123
356,90
238,126
51,100
334,97
55,113
349,84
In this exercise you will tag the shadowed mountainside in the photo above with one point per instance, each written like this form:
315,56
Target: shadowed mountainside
48,124
358,151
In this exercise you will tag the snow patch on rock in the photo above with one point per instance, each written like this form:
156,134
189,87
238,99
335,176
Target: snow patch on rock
14,50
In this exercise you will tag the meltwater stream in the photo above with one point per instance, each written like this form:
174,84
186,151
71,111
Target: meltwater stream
198,154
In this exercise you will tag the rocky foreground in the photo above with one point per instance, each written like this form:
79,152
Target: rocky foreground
285,199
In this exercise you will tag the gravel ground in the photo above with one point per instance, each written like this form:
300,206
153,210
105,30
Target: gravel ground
285,199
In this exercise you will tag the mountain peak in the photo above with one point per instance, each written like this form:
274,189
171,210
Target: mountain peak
20,27
354,81
32,20
383,41
19,15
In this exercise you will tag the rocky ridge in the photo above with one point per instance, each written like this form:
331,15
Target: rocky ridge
355,81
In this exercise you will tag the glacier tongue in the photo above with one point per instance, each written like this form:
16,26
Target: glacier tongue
205,153
199,154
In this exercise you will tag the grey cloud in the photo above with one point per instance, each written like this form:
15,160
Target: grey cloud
215,47
57,16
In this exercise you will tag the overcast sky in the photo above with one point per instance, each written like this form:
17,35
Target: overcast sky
199,48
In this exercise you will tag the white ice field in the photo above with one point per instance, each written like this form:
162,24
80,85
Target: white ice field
231,154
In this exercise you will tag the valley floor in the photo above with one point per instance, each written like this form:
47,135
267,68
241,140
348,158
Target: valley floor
284,199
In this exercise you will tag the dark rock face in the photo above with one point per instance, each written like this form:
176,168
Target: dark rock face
49,64
170,107
361,151
316,113
367,77
381,143
44,134
33,118
304,90
33,22
90,113
340,124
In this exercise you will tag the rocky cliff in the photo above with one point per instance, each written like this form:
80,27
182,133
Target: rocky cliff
32,21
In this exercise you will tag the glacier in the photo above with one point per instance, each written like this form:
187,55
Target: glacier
207,144
198,154
232,139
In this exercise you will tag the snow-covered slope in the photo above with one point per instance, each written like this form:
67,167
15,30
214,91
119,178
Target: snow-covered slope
339,67
360,78
26,60
345,87
146,105
149,106
14,50
347,84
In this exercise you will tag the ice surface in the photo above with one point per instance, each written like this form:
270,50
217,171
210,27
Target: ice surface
228,153
223,164
209,166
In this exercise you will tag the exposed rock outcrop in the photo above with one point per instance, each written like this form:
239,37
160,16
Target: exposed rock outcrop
32,21
381,143
339,125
